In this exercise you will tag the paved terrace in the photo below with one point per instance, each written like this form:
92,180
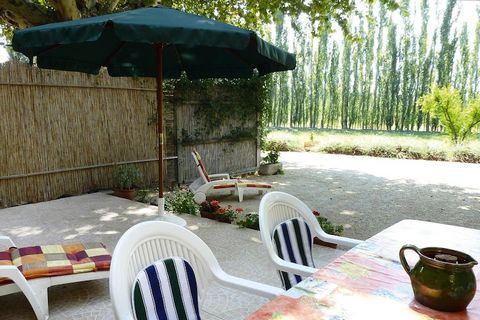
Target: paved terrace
101,217
364,194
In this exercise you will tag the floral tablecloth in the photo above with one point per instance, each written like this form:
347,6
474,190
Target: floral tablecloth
368,282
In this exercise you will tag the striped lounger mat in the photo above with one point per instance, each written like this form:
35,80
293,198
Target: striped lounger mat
56,260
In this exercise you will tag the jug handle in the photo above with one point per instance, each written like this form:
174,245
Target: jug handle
403,261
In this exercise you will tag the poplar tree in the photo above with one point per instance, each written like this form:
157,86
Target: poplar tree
475,59
463,64
346,70
447,46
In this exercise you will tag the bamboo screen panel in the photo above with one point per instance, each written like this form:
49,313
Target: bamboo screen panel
60,132
220,155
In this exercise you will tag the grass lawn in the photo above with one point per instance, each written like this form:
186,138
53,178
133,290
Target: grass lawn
389,144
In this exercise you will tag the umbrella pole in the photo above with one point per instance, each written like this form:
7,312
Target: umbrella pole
161,201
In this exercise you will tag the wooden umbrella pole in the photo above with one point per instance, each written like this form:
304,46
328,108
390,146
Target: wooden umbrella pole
159,49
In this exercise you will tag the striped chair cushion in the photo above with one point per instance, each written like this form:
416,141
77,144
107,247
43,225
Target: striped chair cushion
224,186
258,185
167,289
293,243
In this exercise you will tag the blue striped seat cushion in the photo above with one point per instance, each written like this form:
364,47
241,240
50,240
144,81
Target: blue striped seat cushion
167,289
293,243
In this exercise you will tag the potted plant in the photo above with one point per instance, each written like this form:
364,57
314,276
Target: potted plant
227,214
209,208
270,164
247,220
126,177
213,210
329,228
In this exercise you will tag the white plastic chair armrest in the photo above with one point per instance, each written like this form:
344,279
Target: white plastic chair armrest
6,242
341,241
295,268
219,176
245,285
11,272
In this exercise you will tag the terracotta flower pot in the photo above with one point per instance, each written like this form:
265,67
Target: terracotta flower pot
127,194
223,219
208,215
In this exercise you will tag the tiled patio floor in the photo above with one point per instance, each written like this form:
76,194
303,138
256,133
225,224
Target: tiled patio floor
101,217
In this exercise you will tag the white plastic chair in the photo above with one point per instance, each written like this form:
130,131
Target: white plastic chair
151,241
277,207
36,290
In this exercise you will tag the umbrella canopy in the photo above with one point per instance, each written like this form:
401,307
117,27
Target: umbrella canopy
152,42
126,44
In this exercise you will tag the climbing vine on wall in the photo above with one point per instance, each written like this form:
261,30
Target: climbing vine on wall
245,101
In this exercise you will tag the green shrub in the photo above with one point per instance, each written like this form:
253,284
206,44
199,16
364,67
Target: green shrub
407,152
126,176
403,145
384,151
181,201
340,148
328,226
248,220
142,195
466,155
434,154
271,157
286,145
458,118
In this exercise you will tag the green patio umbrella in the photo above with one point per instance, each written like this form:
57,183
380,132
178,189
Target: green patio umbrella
152,42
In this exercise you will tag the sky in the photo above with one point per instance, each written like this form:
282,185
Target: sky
466,13
3,52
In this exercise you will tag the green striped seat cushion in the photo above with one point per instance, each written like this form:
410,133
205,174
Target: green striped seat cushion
293,243
167,289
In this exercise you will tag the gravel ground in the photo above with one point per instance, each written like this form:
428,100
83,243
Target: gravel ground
368,194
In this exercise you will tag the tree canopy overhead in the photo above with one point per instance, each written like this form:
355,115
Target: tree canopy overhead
244,13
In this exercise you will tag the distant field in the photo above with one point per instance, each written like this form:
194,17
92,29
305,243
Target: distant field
404,145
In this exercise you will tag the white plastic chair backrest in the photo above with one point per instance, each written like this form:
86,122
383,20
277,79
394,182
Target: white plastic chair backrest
277,207
150,241
197,159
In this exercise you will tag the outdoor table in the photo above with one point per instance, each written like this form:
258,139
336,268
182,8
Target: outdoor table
368,282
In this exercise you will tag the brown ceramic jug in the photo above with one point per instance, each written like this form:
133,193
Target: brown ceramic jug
442,279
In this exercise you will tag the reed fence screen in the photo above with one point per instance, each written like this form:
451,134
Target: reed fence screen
61,133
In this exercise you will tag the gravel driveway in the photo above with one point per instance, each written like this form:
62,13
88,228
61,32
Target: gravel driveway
368,194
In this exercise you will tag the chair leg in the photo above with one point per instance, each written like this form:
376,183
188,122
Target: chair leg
39,302
240,194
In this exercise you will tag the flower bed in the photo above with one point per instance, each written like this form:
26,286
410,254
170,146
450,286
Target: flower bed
247,220
213,210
